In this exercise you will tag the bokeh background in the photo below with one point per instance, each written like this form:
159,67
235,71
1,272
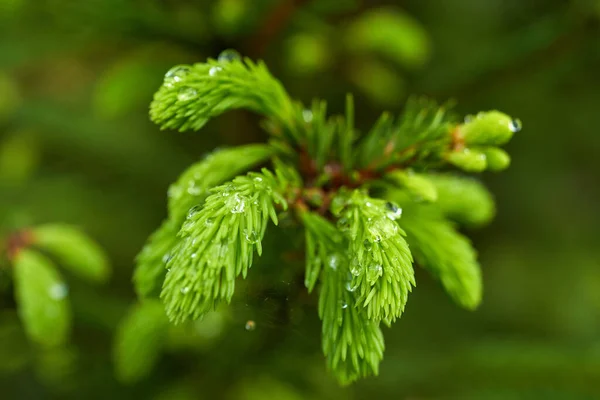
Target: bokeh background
76,146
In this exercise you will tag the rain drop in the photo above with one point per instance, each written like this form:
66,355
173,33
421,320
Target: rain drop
194,255
368,245
185,290
343,304
229,55
194,190
374,272
58,291
355,267
186,93
239,206
193,211
209,222
176,75
515,125
250,325
333,261
166,258
214,70
349,286
393,211
251,236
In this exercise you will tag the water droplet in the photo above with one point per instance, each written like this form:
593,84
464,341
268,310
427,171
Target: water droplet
258,179
368,245
194,190
227,190
333,261
343,304
186,93
377,238
166,258
369,204
229,55
349,286
209,222
393,211
515,125
374,272
185,290
250,325
240,205
58,291
214,71
307,116
193,211
355,267
175,75
194,255
251,236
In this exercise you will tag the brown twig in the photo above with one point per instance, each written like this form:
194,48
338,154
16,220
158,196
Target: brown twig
274,22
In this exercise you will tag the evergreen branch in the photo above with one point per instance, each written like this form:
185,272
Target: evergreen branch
216,244
463,199
193,185
73,249
418,185
150,268
381,262
191,95
438,247
190,190
321,237
41,295
352,343
327,172
139,340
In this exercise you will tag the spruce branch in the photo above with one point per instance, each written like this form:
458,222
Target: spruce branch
216,244
194,184
352,343
338,183
381,262
41,291
439,248
193,94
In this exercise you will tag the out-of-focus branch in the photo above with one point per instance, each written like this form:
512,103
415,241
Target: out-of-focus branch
275,21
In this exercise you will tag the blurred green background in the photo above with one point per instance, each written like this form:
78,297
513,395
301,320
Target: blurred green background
76,146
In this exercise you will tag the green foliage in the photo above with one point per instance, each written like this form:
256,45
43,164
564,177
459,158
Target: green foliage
139,340
372,30
194,184
151,262
381,263
338,183
217,243
438,247
418,185
74,250
41,295
463,199
221,85
351,341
